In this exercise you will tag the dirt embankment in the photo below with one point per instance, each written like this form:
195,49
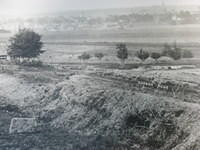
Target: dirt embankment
82,112
124,118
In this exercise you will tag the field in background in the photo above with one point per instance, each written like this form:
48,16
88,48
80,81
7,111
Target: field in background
60,46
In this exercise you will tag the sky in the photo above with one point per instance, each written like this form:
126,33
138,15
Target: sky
23,7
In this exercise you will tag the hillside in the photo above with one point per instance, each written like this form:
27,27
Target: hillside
77,109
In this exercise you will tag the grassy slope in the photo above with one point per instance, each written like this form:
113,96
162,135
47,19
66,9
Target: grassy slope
95,111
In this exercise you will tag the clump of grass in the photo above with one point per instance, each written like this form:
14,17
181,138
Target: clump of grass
151,129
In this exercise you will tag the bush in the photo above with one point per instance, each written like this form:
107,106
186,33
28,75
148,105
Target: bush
142,55
155,55
99,55
176,54
187,54
172,51
167,50
152,129
84,56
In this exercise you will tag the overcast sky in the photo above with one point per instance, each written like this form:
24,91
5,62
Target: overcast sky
32,6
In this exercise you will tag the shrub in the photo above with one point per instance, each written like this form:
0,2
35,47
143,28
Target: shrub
142,55
151,128
99,55
172,51
167,50
187,54
155,55
176,53
84,56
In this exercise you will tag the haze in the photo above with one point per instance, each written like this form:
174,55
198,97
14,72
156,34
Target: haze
24,7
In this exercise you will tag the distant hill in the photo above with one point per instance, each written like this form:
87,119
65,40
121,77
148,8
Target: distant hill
121,11
154,9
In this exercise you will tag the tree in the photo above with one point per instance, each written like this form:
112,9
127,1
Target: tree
26,43
84,56
155,55
176,53
187,54
167,50
142,55
172,51
99,55
122,53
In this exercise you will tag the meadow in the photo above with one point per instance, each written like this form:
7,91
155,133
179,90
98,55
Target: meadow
61,45
101,107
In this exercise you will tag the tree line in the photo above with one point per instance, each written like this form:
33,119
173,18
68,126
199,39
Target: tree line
27,44
172,51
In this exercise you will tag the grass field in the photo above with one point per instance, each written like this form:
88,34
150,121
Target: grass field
97,104
78,109
151,38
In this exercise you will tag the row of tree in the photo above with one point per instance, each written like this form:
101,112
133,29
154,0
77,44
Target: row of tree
173,52
27,44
